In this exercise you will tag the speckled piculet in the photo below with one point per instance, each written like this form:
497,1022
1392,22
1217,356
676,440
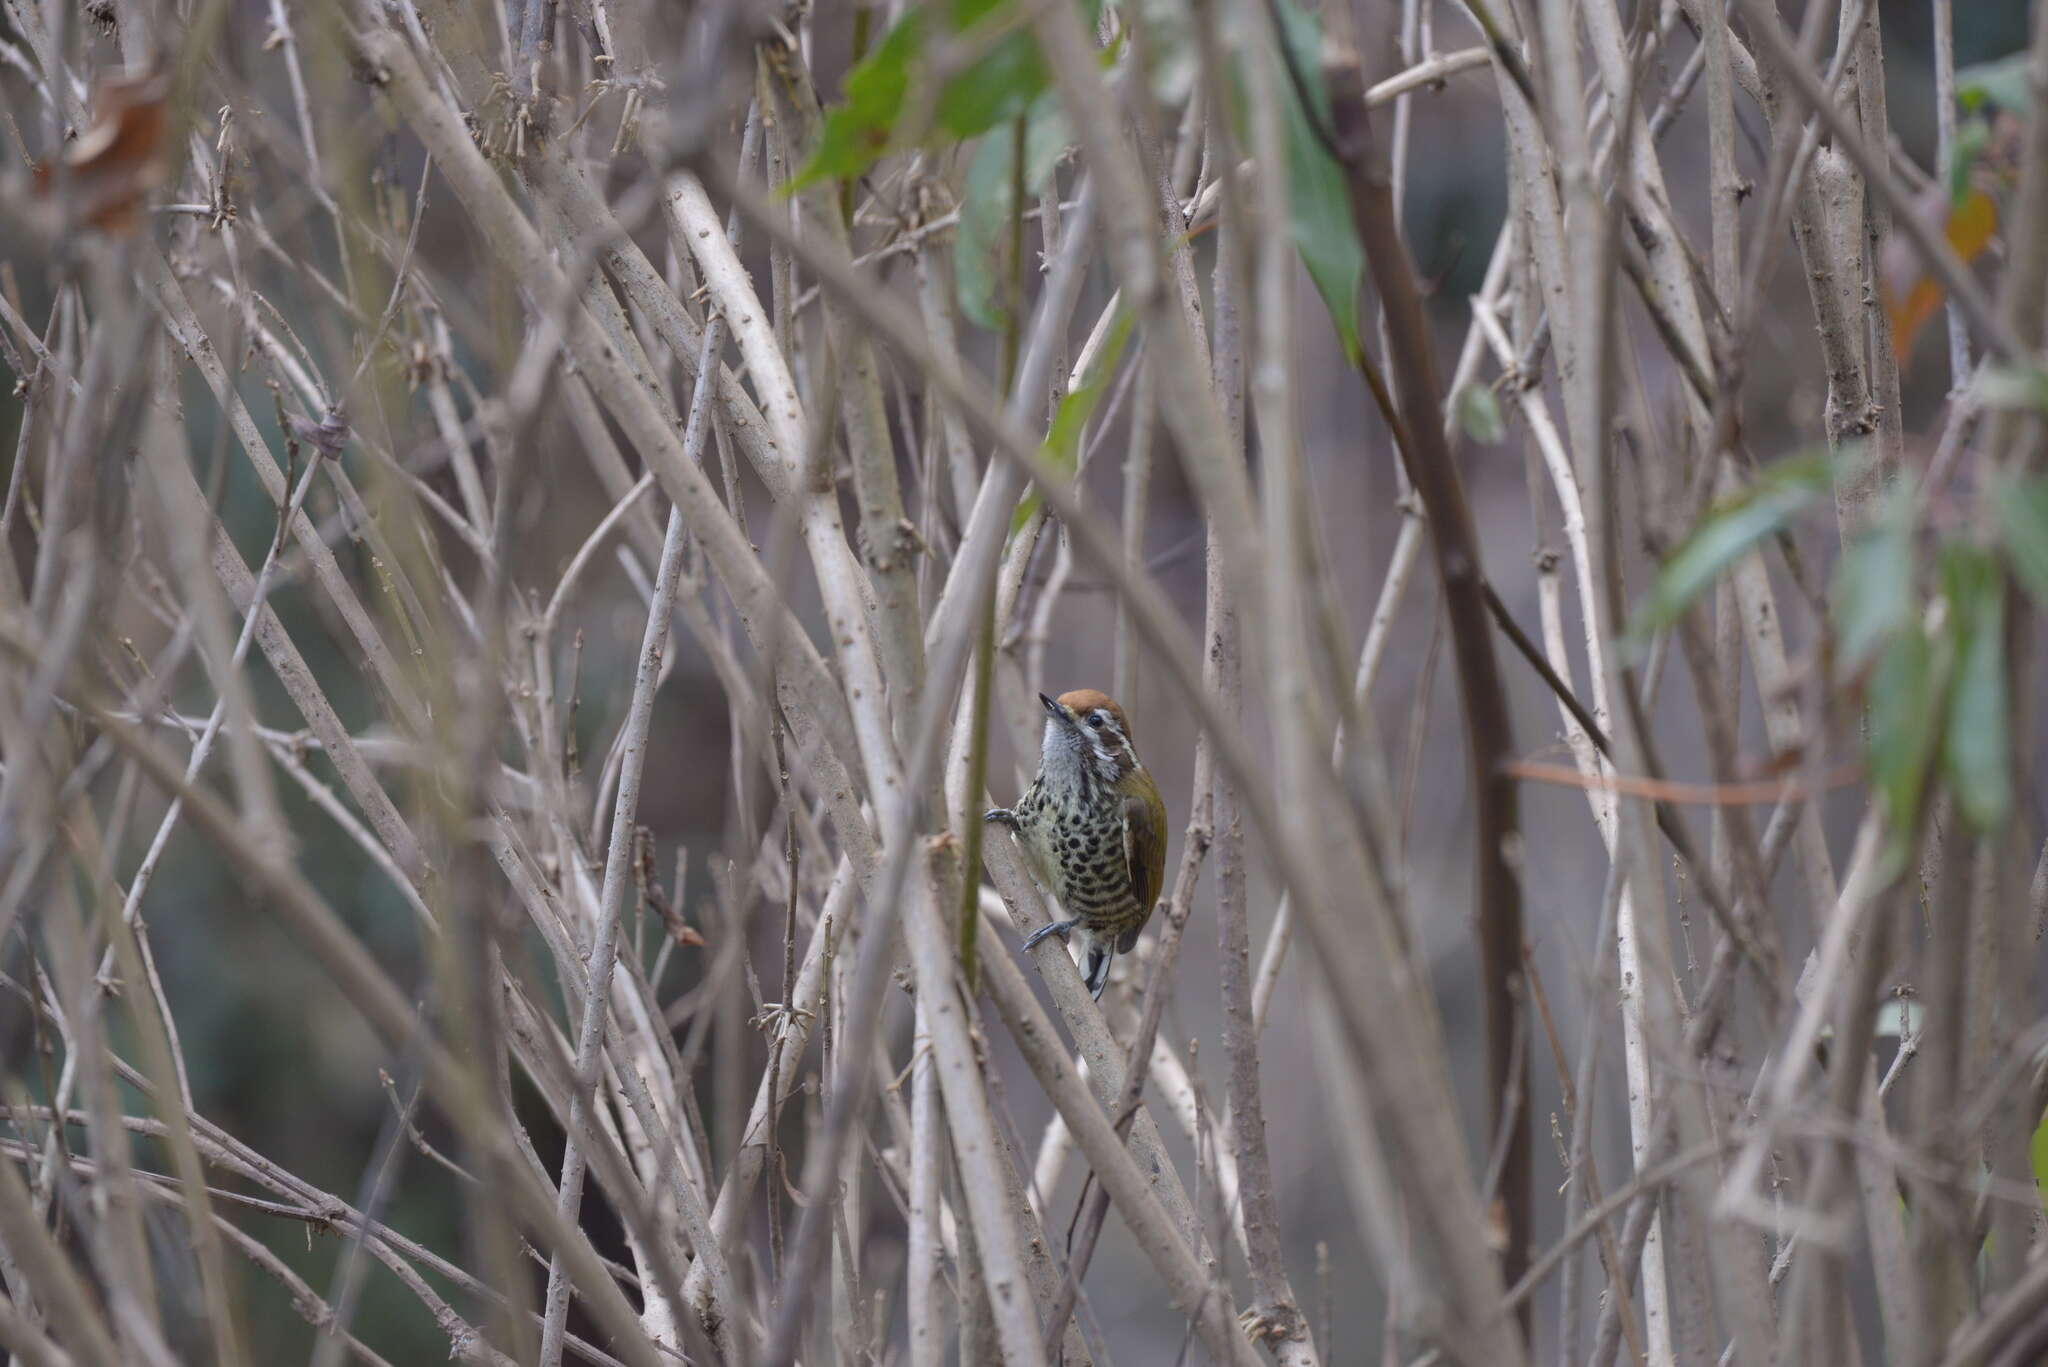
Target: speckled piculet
1094,828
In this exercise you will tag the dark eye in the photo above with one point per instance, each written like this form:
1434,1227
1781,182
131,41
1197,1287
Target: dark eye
1096,721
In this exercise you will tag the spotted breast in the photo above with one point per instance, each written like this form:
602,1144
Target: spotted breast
1075,839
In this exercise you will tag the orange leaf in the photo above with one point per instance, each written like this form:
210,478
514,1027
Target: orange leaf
1911,296
109,170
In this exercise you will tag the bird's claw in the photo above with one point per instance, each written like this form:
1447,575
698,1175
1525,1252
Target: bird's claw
1060,928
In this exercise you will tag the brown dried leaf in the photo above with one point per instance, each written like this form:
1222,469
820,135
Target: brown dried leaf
109,171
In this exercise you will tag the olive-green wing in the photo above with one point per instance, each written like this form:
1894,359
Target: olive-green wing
1145,850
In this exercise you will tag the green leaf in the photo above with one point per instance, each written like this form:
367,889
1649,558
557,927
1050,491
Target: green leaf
985,202
2037,1158
1173,58
858,130
986,207
1727,533
994,88
1977,753
2003,83
1479,414
1318,201
1904,709
1873,589
1063,442
2021,387
1972,137
998,86
2023,521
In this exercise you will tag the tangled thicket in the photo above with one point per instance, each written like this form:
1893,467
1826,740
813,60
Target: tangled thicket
535,531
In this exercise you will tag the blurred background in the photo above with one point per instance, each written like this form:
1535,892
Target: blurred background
265,1030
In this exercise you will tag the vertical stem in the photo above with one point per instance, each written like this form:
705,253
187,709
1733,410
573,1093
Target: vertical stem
1945,165
968,920
618,854
927,1174
969,917
1013,262
976,1146
1275,1316
1488,731
1137,488
1724,183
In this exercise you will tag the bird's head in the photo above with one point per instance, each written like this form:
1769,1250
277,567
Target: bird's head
1087,727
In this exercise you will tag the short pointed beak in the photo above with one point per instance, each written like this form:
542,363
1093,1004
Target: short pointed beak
1053,708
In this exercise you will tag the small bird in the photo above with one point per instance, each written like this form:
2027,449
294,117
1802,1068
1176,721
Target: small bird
1094,828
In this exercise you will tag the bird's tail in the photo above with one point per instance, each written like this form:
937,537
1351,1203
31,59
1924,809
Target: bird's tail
1093,953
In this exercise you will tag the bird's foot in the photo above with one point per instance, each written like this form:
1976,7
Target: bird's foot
1060,928
1001,816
